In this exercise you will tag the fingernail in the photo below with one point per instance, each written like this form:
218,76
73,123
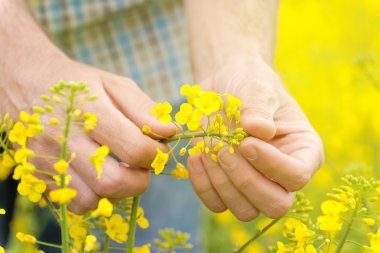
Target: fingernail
251,153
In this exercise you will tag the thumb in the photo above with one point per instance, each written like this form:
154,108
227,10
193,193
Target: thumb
257,120
134,103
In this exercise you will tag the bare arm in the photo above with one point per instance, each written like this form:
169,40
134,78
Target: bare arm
231,44
30,63
221,30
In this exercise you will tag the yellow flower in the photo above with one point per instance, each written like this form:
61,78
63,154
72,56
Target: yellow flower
180,172
162,111
309,249
218,125
190,92
90,121
117,228
232,105
61,166
6,165
54,121
374,241
208,102
2,211
329,224
18,134
333,208
142,221
281,248
146,129
32,187
78,233
298,231
90,243
62,196
218,146
26,238
369,221
182,152
142,249
214,157
159,161
198,148
2,250
188,116
23,169
98,159
104,209
35,126
22,154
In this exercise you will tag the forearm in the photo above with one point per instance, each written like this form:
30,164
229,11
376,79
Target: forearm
222,30
25,50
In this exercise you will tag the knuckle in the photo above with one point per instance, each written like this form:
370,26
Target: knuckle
87,201
142,185
221,183
107,186
279,208
246,214
244,183
299,181
217,207
134,153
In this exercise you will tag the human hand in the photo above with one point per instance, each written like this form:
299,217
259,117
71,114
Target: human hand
122,109
279,158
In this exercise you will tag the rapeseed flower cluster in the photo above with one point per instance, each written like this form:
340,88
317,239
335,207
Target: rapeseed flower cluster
211,119
58,115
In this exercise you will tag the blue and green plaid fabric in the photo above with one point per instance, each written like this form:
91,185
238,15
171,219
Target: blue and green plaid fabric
145,40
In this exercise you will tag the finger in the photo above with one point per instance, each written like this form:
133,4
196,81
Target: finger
292,171
202,185
231,197
260,103
134,103
266,195
116,180
123,137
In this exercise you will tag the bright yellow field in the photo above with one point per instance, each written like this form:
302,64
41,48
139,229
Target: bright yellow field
328,55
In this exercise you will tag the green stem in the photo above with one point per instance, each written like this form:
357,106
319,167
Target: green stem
189,135
48,244
347,231
51,207
106,244
257,235
63,221
132,224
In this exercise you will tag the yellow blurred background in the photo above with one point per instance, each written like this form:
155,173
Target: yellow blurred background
328,55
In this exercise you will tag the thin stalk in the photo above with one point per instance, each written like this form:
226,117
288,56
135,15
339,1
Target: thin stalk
132,224
190,135
106,244
63,221
48,244
347,231
51,207
257,235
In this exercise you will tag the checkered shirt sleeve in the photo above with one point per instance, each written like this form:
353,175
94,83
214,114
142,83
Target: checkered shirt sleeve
145,40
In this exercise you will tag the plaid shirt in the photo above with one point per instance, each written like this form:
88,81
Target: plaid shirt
145,40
